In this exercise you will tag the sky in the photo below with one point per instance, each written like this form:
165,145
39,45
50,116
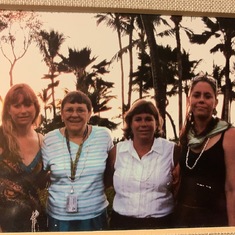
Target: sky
80,30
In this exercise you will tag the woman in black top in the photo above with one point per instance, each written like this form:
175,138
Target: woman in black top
206,196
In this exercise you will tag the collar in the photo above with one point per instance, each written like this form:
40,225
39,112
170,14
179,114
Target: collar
127,146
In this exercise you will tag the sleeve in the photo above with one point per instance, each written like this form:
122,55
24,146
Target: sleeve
45,153
110,140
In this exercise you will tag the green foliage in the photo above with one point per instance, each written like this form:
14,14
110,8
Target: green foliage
110,195
50,124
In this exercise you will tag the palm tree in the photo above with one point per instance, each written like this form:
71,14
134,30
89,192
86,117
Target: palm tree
49,44
159,83
118,22
100,95
90,82
45,98
223,29
77,63
177,20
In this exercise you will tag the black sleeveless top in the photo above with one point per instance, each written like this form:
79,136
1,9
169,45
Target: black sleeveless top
201,197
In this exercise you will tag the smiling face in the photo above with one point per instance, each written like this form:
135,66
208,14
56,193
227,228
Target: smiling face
22,112
143,126
202,100
75,117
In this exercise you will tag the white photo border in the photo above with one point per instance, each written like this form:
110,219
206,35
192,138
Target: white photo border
169,7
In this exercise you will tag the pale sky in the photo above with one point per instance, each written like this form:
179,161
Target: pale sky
81,31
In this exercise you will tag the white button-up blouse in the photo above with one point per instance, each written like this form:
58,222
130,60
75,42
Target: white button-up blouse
143,185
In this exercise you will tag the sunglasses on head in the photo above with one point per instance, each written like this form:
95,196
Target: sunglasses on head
205,78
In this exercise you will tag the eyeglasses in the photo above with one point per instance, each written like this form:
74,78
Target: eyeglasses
205,78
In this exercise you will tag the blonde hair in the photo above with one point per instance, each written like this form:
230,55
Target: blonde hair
8,126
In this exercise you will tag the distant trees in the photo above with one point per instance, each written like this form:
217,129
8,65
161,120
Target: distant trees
151,67
90,81
224,30
155,66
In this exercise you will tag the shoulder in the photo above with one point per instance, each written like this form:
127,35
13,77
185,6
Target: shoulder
124,145
40,137
230,132
100,130
52,133
165,142
228,143
229,152
229,137
51,137
164,147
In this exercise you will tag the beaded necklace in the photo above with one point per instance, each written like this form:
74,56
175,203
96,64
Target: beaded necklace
195,163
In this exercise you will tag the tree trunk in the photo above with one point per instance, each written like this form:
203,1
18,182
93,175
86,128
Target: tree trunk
177,20
121,64
159,85
131,63
225,110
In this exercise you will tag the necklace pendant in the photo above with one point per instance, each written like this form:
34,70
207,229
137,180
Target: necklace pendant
72,190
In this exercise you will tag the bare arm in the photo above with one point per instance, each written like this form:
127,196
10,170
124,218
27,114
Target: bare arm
109,170
176,170
177,153
229,152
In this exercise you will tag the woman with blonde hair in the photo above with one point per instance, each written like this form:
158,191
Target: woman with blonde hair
20,162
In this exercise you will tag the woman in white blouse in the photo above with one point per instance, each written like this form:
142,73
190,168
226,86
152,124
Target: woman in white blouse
140,170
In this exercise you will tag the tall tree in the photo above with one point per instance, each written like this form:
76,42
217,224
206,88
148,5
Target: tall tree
118,22
222,29
90,82
22,27
177,20
49,44
159,83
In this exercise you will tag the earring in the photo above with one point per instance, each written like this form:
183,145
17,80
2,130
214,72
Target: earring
190,117
214,113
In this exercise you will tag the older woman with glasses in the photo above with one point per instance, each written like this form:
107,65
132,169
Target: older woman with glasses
76,157
206,195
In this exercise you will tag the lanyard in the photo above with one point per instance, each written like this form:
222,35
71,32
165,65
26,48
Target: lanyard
73,164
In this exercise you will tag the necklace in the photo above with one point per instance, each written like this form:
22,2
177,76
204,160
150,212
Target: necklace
195,163
74,163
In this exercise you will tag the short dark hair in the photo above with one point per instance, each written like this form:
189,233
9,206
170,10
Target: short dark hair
138,107
77,97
